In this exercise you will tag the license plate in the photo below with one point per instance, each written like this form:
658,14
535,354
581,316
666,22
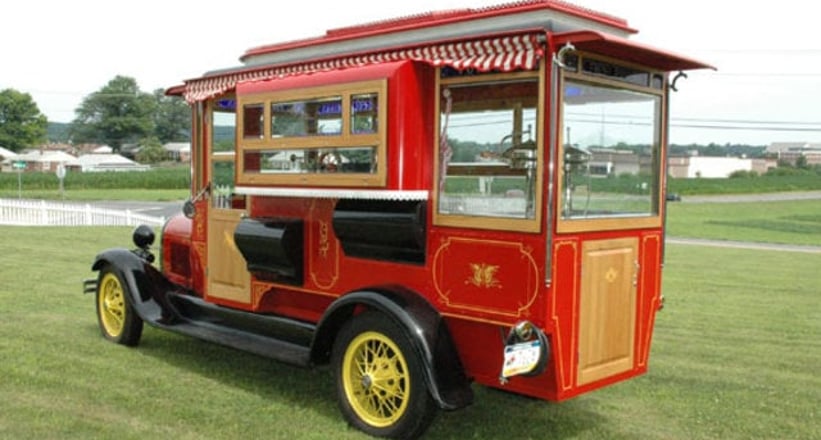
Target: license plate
521,358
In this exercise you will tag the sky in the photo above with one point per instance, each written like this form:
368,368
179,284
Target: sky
766,87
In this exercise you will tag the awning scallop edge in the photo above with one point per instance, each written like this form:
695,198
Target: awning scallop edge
502,53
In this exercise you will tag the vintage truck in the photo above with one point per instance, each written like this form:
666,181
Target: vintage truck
422,203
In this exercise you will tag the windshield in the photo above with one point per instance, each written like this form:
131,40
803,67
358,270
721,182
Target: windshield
611,150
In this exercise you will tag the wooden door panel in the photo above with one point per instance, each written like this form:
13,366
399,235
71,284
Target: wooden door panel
607,308
228,276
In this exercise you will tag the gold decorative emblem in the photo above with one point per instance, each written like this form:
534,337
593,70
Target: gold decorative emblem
611,275
484,276
324,243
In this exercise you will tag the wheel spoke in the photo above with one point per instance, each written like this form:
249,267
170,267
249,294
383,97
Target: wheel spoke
377,379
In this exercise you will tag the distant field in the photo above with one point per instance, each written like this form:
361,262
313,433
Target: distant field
45,185
735,356
788,222
157,178
752,185
143,195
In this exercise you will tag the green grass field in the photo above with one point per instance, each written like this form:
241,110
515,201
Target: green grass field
735,356
82,195
789,222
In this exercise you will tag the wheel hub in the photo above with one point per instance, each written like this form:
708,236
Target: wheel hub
367,381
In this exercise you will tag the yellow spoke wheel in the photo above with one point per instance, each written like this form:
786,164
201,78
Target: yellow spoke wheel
112,305
118,322
375,377
380,378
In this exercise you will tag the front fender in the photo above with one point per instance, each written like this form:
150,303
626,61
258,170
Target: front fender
146,286
425,328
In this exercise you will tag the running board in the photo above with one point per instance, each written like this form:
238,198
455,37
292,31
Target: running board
273,337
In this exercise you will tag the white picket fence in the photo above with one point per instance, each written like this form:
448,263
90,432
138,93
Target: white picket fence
43,213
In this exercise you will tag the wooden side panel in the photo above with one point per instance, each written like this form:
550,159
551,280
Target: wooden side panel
607,308
228,276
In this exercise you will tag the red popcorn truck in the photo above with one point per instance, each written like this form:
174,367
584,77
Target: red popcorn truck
421,203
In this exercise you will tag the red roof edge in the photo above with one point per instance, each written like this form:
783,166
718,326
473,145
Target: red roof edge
628,50
177,90
440,18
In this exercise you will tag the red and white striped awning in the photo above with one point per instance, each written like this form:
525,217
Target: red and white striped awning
499,53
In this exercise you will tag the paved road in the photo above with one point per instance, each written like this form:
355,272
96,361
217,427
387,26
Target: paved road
745,245
157,209
768,197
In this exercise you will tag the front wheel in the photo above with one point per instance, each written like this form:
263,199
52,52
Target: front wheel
380,379
115,315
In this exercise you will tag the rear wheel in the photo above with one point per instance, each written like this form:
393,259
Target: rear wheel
115,315
380,379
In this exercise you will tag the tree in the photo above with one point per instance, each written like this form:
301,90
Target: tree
172,118
21,123
151,151
118,113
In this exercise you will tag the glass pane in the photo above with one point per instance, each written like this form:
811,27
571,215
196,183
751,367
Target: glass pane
489,149
364,111
312,160
252,115
223,183
225,127
610,152
321,116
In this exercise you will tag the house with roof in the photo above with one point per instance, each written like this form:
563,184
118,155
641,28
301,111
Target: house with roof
99,162
40,160
178,151
790,152
6,155
689,167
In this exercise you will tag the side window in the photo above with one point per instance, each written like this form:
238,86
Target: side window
222,159
323,136
253,118
490,151
315,117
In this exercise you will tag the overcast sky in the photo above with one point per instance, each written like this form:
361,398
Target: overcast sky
768,54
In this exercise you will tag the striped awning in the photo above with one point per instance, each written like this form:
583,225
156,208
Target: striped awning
505,53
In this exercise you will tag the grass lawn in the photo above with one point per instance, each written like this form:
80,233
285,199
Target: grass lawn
142,195
735,356
788,222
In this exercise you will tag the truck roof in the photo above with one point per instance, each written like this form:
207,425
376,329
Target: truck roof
550,15
505,37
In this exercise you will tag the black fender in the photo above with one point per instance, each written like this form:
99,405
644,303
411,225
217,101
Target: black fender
147,287
425,328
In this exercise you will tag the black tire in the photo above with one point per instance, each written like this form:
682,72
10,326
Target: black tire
380,381
116,317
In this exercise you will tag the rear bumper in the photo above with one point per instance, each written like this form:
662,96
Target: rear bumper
90,285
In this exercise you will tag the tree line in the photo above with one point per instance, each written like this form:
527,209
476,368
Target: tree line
117,114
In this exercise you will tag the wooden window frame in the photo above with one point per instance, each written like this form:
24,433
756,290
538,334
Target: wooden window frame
346,139
530,225
614,223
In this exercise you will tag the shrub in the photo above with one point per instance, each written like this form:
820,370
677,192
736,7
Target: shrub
157,178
